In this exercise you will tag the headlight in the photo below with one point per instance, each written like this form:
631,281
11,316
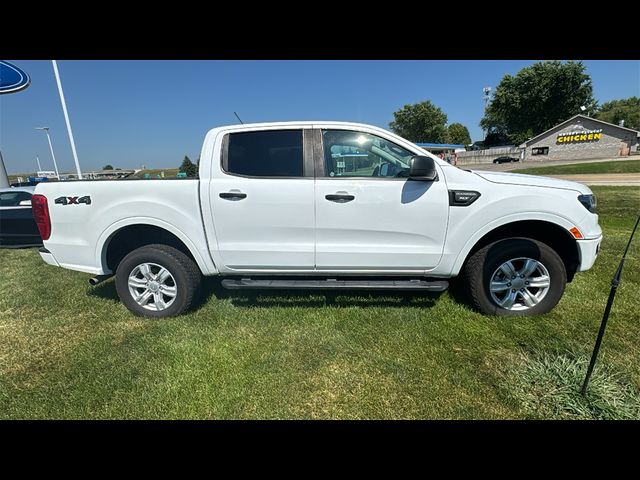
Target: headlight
589,202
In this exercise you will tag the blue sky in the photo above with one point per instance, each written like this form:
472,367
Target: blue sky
129,113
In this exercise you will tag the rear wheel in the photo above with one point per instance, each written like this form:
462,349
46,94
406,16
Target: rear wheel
515,277
157,281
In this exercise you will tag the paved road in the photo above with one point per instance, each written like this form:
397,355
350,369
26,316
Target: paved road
626,179
505,167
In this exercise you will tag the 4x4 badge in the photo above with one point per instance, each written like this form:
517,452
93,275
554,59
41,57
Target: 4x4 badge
73,200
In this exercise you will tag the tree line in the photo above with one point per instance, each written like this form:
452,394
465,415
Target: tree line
524,105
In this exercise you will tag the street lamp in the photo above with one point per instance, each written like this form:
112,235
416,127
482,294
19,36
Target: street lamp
55,165
486,95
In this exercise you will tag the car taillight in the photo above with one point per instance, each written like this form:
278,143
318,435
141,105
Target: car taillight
41,215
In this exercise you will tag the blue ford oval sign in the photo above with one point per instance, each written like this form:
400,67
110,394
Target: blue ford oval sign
12,79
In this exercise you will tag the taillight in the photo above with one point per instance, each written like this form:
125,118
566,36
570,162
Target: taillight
41,215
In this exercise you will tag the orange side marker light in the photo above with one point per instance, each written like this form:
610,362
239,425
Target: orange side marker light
577,234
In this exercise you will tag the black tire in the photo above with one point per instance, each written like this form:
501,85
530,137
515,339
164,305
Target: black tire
482,264
186,276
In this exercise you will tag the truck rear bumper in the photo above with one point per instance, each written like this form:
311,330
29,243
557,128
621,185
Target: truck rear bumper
48,257
588,250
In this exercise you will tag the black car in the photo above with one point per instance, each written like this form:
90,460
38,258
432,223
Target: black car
17,226
506,160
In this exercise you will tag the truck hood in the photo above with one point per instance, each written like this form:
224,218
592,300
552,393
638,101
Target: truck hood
531,180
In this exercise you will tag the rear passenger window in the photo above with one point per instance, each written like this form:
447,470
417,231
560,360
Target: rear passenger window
276,153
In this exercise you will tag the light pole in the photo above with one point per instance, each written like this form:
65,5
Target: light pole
38,160
486,92
55,165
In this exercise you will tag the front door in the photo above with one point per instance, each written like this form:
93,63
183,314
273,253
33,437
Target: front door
262,202
369,215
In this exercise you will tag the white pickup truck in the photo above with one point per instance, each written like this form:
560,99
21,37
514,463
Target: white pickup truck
323,205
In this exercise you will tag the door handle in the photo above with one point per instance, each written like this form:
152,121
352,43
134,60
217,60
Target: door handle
233,195
339,197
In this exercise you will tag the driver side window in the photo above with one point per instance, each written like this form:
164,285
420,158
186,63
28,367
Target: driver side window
358,154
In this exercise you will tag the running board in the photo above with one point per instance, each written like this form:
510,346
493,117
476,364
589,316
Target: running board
406,285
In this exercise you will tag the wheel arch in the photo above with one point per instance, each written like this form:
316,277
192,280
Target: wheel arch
124,237
548,232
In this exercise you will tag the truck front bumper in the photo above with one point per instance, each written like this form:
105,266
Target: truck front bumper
588,251
48,257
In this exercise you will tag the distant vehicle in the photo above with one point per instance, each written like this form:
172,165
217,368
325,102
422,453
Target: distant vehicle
17,225
506,160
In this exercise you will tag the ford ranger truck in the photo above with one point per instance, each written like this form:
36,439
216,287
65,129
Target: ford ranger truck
323,205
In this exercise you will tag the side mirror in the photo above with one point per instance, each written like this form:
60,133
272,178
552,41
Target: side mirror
423,168
25,203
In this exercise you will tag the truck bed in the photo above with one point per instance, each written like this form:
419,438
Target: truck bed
81,230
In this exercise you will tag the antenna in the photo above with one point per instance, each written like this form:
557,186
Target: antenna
238,117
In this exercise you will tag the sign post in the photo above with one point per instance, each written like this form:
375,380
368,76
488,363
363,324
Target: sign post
4,178
66,118
12,80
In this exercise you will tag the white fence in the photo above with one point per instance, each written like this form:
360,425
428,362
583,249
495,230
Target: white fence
487,156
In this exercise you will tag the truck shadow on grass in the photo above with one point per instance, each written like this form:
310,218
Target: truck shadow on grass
211,289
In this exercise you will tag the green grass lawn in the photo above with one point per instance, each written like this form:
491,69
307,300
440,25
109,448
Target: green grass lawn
71,351
626,166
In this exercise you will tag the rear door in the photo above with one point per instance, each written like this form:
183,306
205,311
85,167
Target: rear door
262,201
369,216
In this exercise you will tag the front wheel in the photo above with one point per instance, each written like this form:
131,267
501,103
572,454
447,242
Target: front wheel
515,277
157,281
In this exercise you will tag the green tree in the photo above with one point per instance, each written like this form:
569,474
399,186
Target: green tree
107,167
627,109
459,134
497,137
189,167
537,98
420,122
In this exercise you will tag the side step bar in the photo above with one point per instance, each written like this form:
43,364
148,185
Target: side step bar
397,285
